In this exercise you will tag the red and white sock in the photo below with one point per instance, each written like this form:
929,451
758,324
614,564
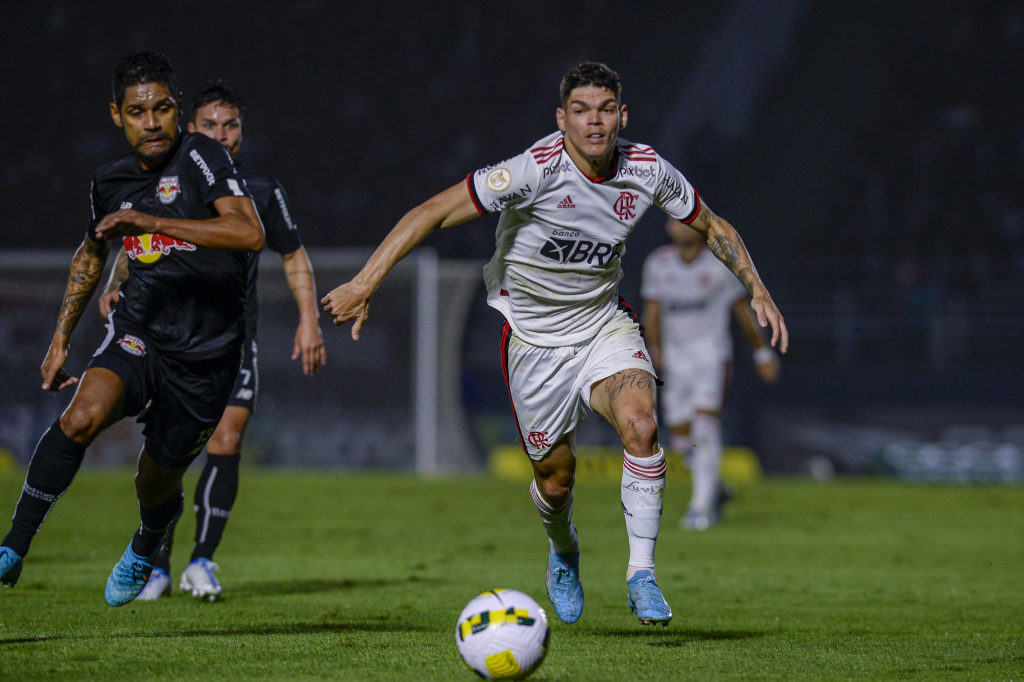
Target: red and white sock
557,522
643,489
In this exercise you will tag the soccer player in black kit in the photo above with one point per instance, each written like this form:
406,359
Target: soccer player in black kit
173,343
217,111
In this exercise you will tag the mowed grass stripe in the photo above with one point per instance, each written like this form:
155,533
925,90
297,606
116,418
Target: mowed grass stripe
361,576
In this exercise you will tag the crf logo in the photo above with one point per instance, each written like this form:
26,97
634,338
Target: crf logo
539,439
625,206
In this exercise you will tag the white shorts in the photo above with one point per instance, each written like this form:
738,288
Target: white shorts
550,387
697,379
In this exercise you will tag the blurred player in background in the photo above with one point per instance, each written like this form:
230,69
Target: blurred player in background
174,340
688,295
217,112
569,341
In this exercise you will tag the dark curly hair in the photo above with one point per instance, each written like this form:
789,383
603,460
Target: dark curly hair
143,67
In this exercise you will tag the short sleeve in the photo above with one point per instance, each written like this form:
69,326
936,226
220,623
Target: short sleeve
282,232
213,171
674,194
511,183
97,209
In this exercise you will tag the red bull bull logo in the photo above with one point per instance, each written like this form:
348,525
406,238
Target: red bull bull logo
168,189
132,344
147,248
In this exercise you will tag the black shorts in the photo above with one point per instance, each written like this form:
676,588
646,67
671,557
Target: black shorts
247,385
180,402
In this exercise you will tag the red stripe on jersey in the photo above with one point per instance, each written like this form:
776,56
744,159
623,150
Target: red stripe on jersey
696,208
544,154
473,196
636,153
543,150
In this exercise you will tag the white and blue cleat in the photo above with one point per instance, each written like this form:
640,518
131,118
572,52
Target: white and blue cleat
646,600
10,567
199,581
158,585
564,588
128,578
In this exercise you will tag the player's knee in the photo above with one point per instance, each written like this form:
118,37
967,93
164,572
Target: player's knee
556,489
640,434
225,442
82,421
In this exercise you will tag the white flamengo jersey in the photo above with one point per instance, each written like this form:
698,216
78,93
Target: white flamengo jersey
561,235
695,301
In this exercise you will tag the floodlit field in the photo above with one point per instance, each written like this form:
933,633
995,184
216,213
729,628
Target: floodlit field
354,576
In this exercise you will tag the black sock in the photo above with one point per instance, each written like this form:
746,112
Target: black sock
155,522
215,495
163,557
53,466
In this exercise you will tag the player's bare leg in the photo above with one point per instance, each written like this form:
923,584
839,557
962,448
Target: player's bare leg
626,400
551,489
97,403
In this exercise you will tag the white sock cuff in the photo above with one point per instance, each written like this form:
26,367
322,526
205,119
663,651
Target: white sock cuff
543,505
645,467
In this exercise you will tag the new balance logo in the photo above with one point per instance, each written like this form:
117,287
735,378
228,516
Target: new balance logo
566,202
640,354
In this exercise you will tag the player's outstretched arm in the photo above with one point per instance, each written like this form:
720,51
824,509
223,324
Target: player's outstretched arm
111,292
351,301
83,277
309,340
236,226
725,242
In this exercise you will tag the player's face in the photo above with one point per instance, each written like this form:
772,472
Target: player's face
591,120
149,117
220,121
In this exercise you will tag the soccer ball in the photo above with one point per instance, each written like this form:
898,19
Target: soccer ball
502,635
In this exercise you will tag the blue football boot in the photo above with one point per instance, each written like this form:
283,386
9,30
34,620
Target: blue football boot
128,578
564,588
646,600
10,567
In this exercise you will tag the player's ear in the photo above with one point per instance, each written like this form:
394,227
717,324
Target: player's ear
191,127
560,118
623,116
115,114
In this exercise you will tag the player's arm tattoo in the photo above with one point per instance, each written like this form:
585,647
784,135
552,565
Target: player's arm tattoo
84,275
299,279
725,248
628,379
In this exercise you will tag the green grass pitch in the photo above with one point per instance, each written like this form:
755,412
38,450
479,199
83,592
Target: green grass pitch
331,575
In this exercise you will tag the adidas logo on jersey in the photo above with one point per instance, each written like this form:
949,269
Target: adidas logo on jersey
640,354
566,202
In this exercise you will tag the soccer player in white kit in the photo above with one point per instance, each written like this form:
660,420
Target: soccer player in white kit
689,297
569,342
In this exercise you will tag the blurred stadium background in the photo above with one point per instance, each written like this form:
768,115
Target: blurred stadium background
871,155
